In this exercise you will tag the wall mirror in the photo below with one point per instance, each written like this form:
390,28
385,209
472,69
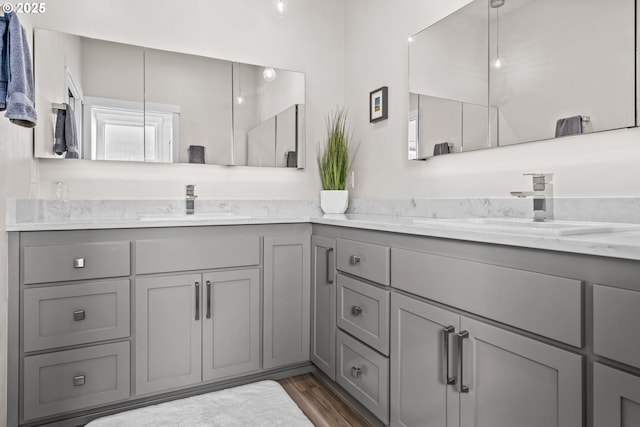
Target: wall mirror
131,103
503,72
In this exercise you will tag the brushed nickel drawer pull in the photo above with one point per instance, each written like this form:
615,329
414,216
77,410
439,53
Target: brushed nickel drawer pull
354,260
79,315
355,372
78,263
78,380
355,310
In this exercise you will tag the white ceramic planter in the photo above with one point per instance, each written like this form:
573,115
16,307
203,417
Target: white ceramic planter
334,201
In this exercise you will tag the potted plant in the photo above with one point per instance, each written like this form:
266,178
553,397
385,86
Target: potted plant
335,160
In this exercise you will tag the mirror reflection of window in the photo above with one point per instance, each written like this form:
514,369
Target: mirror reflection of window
123,131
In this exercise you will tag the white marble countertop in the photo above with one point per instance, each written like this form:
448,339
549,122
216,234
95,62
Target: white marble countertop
112,223
619,244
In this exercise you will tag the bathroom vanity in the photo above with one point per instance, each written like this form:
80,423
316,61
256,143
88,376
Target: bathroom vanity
102,319
452,332
457,326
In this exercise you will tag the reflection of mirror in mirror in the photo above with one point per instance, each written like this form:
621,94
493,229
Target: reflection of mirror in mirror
268,125
140,104
566,67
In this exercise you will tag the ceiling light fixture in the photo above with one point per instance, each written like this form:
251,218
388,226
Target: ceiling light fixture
280,7
269,74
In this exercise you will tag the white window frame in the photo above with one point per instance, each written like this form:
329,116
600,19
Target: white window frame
163,118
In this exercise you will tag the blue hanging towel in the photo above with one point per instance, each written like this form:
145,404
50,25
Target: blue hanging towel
4,62
66,138
20,105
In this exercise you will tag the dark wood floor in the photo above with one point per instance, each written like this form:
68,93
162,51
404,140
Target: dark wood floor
319,404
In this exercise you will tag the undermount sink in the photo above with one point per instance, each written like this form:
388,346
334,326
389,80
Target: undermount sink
526,226
217,216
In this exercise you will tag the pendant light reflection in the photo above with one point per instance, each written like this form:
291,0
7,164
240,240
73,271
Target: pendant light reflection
269,74
280,7
498,63
240,98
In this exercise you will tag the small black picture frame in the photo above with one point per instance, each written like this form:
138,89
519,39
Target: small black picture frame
378,100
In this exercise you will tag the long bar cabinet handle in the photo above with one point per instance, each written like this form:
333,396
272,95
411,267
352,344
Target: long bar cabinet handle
445,338
197,300
208,299
461,337
329,269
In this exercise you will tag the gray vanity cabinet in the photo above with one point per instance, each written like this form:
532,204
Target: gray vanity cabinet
616,397
230,323
105,320
513,380
287,300
168,332
422,341
192,328
323,305
496,377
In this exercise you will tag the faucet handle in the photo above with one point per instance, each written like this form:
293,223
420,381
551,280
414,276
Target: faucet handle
540,180
538,175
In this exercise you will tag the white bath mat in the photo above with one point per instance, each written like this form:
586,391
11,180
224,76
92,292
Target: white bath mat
261,404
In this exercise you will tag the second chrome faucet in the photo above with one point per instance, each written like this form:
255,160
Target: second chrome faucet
542,196
191,199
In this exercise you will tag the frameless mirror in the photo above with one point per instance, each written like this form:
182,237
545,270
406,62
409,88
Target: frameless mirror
129,103
502,72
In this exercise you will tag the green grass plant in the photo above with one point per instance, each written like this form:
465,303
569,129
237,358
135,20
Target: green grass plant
335,159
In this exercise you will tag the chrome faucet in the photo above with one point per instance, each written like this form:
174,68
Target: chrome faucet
542,196
191,199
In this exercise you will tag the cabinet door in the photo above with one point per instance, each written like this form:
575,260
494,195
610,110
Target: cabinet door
323,305
231,323
616,398
422,336
286,300
168,332
516,381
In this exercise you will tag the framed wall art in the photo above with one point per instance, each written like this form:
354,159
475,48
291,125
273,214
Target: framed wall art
378,101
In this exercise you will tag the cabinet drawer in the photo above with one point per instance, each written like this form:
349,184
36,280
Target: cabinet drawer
364,374
59,316
364,260
363,311
547,305
166,255
57,263
75,379
616,314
